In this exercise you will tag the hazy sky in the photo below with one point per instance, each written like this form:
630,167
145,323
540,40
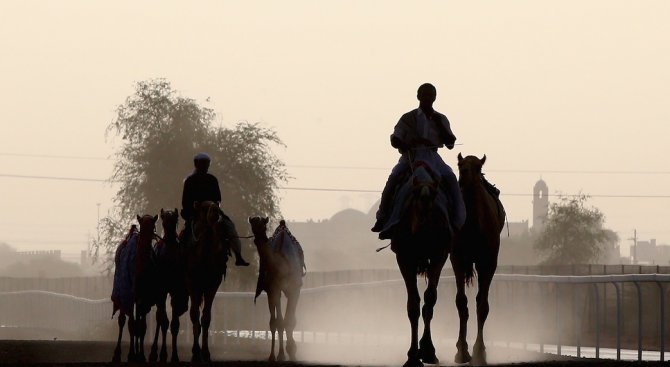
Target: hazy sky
569,91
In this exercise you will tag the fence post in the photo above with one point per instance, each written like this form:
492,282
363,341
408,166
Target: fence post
558,320
639,321
662,318
576,321
618,321
597,301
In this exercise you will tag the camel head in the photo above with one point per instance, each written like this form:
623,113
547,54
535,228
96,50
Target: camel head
169,218
259,225
147,223
470,170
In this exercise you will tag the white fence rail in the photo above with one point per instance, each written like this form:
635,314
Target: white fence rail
555,313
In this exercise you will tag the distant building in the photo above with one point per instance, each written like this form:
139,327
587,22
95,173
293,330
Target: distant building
342,242
649,253
540,205
40,254
516,229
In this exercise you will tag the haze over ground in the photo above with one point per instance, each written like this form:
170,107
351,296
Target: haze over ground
574,92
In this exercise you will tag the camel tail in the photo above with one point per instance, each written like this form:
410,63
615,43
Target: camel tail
422,268
469,273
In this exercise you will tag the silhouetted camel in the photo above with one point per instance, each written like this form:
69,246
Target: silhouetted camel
133,293
477,244
170,257
206,266
421,241
282,266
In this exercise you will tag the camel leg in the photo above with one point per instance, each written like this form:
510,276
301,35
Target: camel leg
141,322
290,321
160,308
174,330
206,321
484,279
195,320
164,323
426,347
132,334
462,355
408,268
117,350
273,298
281,356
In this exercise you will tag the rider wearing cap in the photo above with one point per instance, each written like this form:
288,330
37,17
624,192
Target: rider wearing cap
202,186
422,129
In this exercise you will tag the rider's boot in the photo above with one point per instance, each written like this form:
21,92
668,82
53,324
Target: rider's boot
379,224
239,261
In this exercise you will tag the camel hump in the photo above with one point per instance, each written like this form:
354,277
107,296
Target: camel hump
284,243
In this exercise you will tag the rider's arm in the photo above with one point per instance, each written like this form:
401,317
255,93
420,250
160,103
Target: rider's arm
398,144
216,190
448,135
186,201
399,136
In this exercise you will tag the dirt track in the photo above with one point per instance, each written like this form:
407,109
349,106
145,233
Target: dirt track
61,353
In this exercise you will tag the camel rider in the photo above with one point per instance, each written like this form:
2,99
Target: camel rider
202,186
426,130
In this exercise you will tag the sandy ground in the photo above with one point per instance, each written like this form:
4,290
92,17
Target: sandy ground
79,353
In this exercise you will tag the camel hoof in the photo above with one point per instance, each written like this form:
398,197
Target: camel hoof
462,357
413,362
427,355
281,357
291,349
479,357
430,359
116,358
206,357
271,358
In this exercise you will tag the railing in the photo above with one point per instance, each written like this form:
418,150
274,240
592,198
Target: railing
97,287
577,306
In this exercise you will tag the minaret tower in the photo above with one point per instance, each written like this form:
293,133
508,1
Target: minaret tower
540,205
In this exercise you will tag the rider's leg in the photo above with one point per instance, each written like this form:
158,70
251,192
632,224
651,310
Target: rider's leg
237,250
385,205
235,243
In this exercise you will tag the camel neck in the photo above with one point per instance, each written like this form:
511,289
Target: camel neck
262,245
170,236
472,191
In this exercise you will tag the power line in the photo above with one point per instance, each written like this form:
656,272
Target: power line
376,168
51,156
54,178
337,189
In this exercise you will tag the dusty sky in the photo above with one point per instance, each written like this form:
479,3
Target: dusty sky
575,92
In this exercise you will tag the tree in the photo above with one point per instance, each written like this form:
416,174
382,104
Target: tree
573,233
161,131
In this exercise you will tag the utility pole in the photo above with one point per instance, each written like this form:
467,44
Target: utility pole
634,239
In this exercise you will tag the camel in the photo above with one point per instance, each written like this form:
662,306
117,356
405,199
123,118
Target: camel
212,237
421,240
170,255
133,293
477,244
282,266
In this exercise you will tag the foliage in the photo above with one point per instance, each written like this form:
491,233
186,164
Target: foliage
161,131
573,233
